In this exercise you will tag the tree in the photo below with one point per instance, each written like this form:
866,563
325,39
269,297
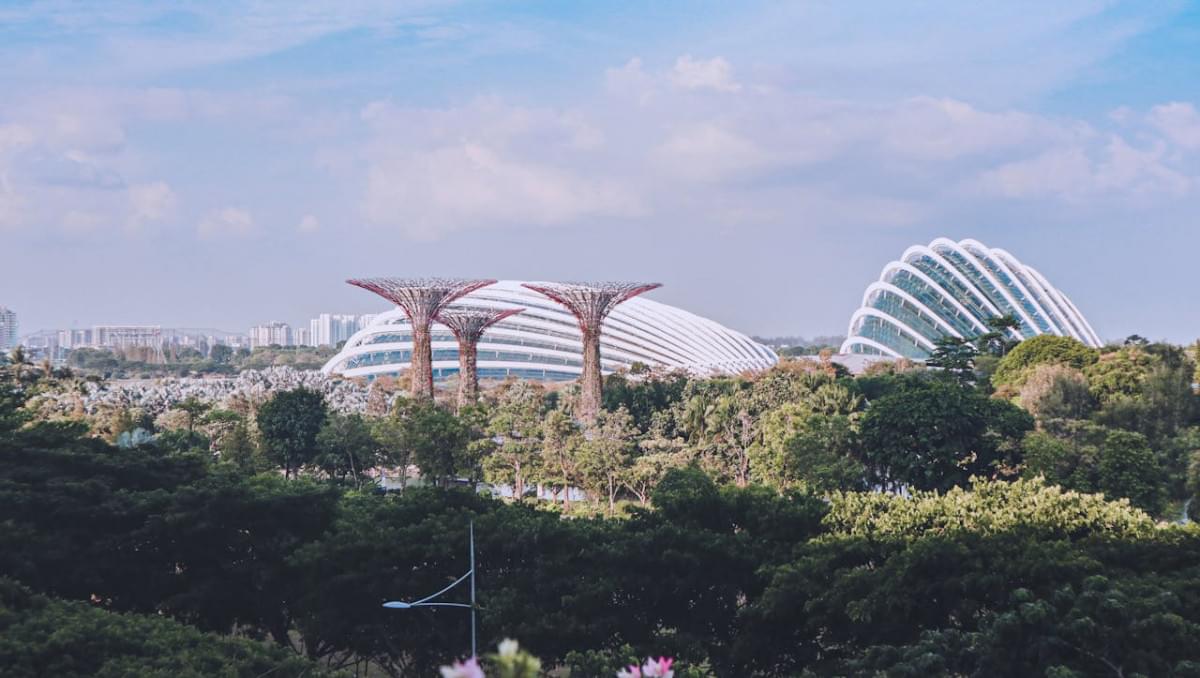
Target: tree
395,452
194,408
221,354
643,396
937,433
346,448
607,454
238,447
1042,349
437,441
516,423
87,641
1054,391
955,355
289,423
561,439
733,430
998,341
1129,468
1121,373
659,458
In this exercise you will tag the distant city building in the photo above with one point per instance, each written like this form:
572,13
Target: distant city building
274,333
951,289
330,329
127,336
544,342
69,339
302,336
8,329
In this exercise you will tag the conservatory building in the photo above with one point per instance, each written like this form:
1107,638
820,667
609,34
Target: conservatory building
543,341
951,289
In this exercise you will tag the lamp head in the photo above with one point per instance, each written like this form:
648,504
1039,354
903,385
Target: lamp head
397,605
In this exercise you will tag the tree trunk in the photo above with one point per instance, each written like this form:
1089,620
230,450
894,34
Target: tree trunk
468,376
591,387
421,385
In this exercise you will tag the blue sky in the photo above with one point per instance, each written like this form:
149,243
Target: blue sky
223,164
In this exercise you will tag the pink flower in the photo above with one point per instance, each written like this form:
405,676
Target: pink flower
658,669
467,669
630,671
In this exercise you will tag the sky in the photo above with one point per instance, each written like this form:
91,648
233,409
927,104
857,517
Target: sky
222,164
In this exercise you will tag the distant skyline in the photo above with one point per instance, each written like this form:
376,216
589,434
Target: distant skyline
223,164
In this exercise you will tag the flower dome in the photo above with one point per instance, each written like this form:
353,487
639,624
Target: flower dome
544,343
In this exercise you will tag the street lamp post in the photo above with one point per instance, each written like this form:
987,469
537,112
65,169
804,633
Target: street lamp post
429,601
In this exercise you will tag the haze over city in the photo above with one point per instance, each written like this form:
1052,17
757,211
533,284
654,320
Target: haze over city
221,165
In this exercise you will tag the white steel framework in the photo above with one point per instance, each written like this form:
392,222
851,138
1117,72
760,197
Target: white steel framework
951,289
544,342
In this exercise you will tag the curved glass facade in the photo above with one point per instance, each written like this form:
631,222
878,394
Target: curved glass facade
950,289
543,342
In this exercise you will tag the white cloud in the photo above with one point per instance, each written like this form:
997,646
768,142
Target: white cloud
631,81
230,221
715,73
14,137
80,222
434,171
1178,121
149,203
708,152
943,129
10,202
428,193
1065,171
1072,173
308,224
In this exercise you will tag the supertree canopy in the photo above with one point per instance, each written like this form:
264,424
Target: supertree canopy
421,299
468,326
590,303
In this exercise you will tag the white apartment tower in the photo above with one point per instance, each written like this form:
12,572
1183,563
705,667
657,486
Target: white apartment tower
8,329
275,333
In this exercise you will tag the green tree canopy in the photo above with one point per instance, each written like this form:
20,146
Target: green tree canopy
1042,349
289,423
931,433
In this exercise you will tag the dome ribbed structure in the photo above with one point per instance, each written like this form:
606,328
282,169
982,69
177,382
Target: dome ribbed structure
544,342
951,289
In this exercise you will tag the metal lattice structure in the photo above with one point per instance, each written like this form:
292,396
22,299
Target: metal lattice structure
590,303
953,289
422,299
468,326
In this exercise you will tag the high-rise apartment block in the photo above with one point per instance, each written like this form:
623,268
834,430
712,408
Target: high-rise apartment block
8,329
330,329
271,334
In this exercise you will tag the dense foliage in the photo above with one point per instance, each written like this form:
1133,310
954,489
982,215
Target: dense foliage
904,522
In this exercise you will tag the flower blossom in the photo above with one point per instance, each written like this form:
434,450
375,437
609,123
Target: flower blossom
467,669
508,648
630,671
658,669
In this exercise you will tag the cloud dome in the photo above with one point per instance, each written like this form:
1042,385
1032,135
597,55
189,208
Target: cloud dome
950,289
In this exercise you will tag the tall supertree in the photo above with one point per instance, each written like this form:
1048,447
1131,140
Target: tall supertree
422,299
590,303
468,326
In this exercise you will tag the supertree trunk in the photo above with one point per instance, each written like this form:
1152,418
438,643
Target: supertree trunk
591,394
591,303
422,300
468,326
421,377
468,376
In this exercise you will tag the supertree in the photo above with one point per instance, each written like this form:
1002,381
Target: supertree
468,326
422,299
590,303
